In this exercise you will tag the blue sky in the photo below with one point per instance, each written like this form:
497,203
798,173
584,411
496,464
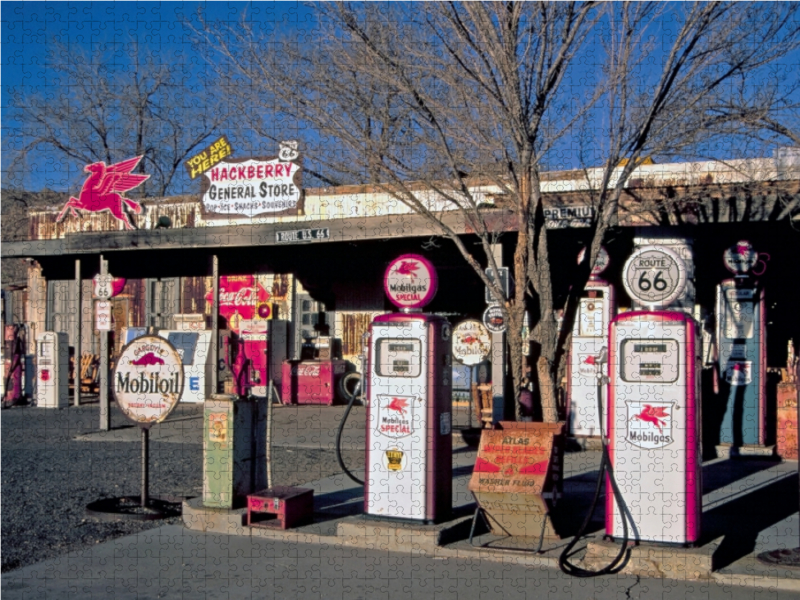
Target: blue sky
29,30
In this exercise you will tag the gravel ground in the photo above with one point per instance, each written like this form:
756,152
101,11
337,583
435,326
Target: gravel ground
48,478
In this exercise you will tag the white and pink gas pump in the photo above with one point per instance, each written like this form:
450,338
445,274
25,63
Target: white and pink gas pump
409,416
741,351
654,405
589,337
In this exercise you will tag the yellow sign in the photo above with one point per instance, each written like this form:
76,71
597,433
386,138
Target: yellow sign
218,427
213,155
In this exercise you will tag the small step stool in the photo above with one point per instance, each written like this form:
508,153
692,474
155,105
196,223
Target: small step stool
290,506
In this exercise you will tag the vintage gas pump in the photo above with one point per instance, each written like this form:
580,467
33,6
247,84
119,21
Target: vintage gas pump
589,337
13,360
741,351
256,354
52,370
654,405
409,451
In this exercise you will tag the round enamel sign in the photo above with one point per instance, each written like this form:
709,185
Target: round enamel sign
741,258
494,320
654,276
148,379
471,342
410,281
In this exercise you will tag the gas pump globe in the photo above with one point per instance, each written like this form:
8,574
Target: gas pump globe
409,449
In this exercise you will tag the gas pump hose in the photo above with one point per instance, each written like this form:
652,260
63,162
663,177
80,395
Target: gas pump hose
339,436
605,467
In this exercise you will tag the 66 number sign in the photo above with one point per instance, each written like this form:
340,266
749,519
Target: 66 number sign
655,276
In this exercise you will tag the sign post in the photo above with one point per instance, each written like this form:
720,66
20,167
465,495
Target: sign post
148,384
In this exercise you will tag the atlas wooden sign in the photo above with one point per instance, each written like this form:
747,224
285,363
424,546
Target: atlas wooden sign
148,379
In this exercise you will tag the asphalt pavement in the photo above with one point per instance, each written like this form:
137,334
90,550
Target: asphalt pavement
749,506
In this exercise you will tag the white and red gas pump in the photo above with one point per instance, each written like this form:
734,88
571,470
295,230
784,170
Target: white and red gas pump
409,415
589,337
741,350
654,405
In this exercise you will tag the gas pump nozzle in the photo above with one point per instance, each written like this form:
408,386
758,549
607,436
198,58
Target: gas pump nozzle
601,359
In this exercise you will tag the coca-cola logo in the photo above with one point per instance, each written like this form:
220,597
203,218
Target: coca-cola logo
242,296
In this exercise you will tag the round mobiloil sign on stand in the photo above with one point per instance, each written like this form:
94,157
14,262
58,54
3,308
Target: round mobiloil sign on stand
654,276
148,380
471,342
410,282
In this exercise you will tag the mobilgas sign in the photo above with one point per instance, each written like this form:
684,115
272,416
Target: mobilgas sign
251,187
741,258
148,379
410,281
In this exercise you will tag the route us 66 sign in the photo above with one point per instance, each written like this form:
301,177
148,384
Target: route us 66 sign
654,276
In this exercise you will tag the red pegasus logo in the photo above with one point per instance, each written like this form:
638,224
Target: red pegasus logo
470,339
148,359
590,360
653,415
408,267
102,189
398,405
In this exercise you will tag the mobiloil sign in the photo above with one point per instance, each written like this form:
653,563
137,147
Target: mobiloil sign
148,379
409,448
653,404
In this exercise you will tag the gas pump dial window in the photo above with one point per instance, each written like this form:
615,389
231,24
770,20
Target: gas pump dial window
649,360
399,358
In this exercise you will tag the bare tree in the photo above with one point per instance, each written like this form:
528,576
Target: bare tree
455,107
113,104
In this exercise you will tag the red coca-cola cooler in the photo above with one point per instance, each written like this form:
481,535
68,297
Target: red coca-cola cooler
311,381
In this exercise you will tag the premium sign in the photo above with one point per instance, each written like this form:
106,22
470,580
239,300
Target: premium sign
564,217
148,379
209,157
471,342
242,298
251,187
410,281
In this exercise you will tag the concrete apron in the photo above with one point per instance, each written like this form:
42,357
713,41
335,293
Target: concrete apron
338,519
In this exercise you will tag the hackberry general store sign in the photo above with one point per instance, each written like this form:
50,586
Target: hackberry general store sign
148,379
252,186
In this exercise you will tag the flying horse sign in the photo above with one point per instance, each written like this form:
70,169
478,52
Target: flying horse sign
103,190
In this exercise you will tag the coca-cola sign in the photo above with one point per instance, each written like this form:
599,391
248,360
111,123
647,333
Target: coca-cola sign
242,299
